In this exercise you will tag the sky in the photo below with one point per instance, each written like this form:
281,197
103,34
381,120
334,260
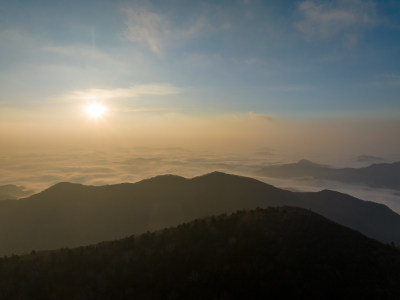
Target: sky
308,79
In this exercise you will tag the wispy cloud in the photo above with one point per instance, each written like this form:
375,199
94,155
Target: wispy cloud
392,80
82,51
290,87
14,35
27,43
326,19
153,109
156,31
124,93
262,117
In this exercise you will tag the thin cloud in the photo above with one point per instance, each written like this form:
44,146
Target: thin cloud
123,93
152,109
263,117
81,51
155,31
16,37
384,80
326,19
290,88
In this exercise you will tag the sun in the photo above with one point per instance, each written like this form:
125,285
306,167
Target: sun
95,110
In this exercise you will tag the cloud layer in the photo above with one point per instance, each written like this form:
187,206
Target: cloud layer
38,171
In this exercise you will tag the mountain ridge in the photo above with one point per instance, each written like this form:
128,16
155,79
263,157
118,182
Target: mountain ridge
68,215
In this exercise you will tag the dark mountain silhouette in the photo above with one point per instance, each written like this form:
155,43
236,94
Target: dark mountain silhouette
69,215
284,253
383,175
11,192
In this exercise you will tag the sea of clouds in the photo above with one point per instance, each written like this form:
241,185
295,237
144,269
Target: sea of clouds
37,171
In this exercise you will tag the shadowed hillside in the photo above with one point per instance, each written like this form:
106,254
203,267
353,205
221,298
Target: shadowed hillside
381,175
69,215
281,253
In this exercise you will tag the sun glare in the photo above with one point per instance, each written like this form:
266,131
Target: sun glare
95,110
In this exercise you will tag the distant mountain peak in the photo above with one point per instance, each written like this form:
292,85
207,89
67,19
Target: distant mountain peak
166,178
64,185
380,175
304,161
369,158
218,177
216,174
308,163
62,188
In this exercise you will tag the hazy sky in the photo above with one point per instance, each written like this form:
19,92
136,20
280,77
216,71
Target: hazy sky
305,76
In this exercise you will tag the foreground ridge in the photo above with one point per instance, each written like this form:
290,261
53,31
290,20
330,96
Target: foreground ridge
283,251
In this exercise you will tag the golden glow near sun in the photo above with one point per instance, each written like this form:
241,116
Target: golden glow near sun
95,110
